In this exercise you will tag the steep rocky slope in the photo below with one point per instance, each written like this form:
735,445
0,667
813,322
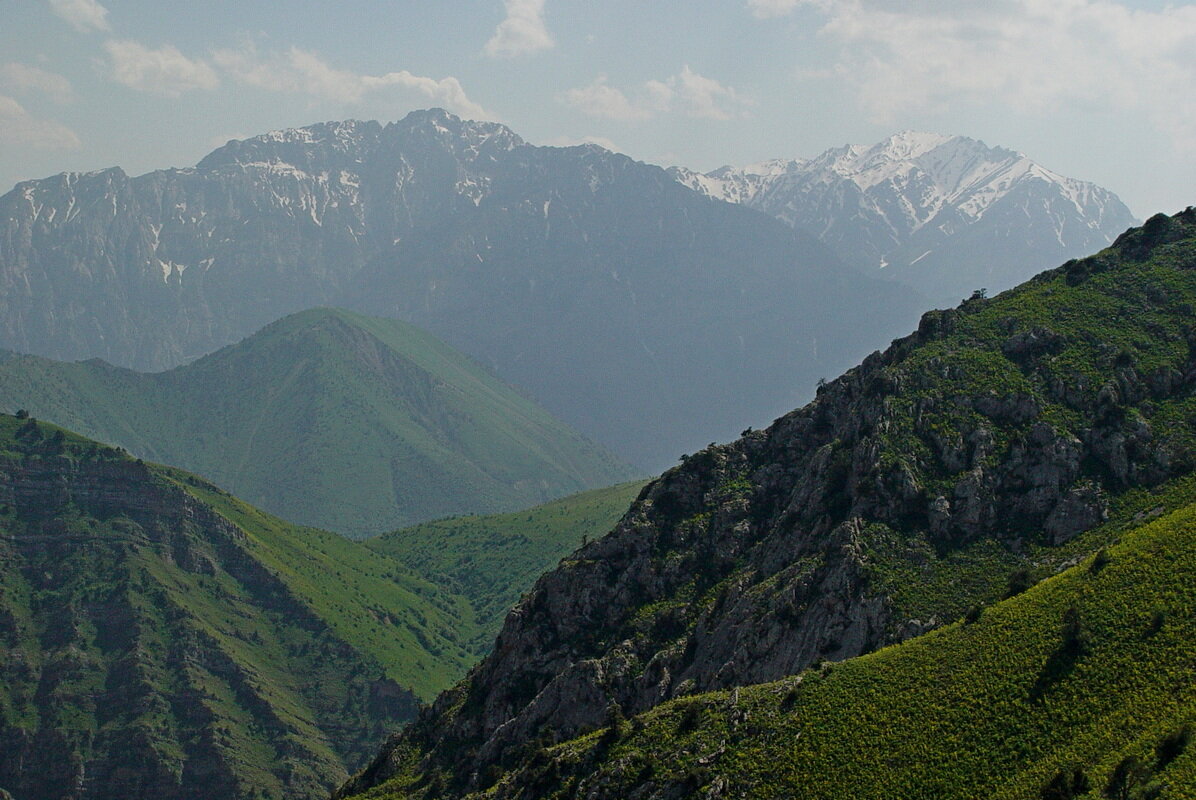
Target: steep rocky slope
636,310
915,485
402,427
159,638
1078,688
945,214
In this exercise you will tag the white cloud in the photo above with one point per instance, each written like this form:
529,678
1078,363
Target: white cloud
1029,55
83,15
763,9
686,93
19,128
26,78
600,100
301,72
703,97
163,71
522,32
570,141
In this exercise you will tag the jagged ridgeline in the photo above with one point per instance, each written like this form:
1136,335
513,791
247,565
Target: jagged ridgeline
1002,442
351,423
160,638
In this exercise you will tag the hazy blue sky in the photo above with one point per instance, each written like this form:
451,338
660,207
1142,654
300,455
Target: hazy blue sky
1098,90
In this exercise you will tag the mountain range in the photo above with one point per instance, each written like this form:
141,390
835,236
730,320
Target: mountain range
328,418
637,311
963,569
604,287
947,215
1004,441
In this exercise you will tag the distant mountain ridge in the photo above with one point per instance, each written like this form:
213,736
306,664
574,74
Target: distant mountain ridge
328,418
632,308
946,214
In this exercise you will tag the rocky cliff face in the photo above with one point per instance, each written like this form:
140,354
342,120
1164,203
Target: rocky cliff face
945,214
616,296
1003,427
147,650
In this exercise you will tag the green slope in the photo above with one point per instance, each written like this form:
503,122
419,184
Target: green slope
328,418
1084,671
162,638
492,560
415,628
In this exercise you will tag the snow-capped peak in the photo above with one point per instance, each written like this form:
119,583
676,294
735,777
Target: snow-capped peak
911,144
947,171
905,199
448,127
949,163
772,168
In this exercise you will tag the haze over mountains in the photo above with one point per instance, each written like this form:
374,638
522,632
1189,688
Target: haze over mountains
351,423
596,283
159,637
634,309
946,215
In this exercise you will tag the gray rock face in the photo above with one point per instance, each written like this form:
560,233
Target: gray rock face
753,560
640,312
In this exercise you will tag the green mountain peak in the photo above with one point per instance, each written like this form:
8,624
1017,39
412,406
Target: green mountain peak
329,418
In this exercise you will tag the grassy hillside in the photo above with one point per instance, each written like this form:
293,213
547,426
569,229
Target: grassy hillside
412,625
328,418
1089,673
159,637
491,560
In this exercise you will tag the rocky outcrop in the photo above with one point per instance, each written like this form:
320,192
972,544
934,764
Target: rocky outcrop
753,560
